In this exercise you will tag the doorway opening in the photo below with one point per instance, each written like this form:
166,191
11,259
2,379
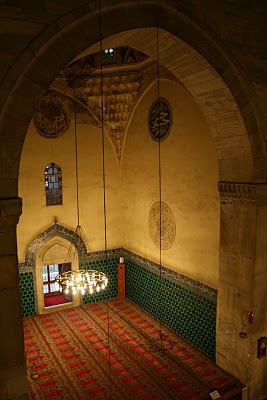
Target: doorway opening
52,295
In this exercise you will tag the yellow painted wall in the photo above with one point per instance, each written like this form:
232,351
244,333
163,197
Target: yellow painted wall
189,186
37,217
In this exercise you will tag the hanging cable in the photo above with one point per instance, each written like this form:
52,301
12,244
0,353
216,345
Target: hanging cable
104,183
159,345
159,175
76,148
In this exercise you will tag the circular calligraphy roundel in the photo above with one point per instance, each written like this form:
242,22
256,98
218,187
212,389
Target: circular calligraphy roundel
51,119
162,224
160,119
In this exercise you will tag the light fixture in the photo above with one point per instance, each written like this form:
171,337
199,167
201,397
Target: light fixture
80,281
160,344
250,316
262,347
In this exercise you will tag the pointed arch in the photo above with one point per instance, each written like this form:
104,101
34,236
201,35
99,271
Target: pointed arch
55,230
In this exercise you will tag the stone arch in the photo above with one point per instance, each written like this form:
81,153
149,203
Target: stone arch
48,234
212,76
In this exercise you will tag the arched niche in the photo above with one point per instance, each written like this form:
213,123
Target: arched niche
51,247
54,251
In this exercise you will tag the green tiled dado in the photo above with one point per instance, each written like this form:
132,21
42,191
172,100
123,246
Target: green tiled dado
111,270
191,315
27,294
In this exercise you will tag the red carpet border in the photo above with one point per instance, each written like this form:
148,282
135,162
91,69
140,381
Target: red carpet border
102,351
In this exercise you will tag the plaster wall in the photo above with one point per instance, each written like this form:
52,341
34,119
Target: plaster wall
189,175
37,217
189,186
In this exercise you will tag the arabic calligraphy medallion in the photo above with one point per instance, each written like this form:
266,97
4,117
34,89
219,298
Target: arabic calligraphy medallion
51,119
162,225
160,119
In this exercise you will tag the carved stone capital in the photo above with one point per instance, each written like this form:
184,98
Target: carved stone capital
10,211
243,192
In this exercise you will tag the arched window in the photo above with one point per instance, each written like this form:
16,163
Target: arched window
53,185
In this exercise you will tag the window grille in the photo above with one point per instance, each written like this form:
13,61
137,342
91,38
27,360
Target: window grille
53,185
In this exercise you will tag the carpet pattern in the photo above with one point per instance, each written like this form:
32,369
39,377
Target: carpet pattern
102,351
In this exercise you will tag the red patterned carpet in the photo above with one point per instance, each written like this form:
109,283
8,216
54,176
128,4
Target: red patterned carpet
102,351
55,300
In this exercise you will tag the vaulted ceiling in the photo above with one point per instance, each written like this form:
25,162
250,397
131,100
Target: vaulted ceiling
118,78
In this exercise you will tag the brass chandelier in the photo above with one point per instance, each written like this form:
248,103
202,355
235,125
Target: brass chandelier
82,281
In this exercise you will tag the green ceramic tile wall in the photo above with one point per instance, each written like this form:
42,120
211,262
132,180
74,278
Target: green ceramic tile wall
27,294
188,313
112,272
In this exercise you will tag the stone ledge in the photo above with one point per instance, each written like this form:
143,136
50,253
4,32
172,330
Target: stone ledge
249,192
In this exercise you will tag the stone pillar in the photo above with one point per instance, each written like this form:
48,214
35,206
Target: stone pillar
13,377
243,233
258,367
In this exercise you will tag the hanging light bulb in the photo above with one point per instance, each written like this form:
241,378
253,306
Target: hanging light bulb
82,281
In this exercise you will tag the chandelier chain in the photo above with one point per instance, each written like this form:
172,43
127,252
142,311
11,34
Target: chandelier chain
104,183
76,148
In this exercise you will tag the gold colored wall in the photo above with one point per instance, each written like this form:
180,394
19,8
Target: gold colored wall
189,175
189,186
37,217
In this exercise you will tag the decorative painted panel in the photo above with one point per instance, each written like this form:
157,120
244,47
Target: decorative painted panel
161,225
160,119
51,118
